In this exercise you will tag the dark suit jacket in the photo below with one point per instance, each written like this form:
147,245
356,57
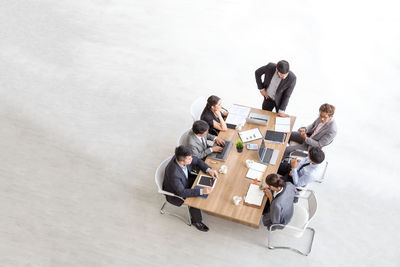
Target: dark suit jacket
176,182
284,89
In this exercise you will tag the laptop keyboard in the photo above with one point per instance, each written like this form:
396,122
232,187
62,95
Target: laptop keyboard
221,154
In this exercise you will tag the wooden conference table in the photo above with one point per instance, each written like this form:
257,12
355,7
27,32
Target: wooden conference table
235,183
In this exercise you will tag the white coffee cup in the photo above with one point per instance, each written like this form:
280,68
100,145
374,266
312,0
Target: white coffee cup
236,200
249,162
223,169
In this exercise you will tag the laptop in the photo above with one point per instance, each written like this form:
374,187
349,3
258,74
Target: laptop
223,155
267,155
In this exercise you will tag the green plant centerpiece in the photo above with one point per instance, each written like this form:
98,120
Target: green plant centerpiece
239,146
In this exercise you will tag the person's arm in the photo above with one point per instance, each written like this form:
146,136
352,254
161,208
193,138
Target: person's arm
202,165
309,128
211,137
325,140
182,191
260,72
275,214
221,125
295,173
286,95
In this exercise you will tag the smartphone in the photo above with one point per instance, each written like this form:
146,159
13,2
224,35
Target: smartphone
252,146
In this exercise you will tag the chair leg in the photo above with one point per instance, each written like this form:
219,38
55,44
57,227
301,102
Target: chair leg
305,253
185,220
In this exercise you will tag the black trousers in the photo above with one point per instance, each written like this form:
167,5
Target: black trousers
269,104
195,214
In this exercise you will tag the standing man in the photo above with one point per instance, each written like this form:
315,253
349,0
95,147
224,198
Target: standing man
277,86
178,180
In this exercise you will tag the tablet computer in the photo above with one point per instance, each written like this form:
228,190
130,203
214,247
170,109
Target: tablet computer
206,181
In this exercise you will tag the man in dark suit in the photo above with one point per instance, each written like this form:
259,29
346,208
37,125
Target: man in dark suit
178,180
277,86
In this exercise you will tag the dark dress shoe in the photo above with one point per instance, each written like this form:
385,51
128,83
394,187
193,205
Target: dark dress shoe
201,226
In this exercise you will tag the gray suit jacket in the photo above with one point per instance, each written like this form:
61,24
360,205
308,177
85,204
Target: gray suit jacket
325,135
281,210
196,145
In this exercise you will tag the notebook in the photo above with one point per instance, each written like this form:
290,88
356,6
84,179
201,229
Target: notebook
276,137
256,171
282,124
254,196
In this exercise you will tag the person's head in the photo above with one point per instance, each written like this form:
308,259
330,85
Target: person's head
274,182
326,112
214,103
200,128
283,69
183,155
316,155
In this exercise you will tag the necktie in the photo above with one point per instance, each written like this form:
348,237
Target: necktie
204,144
304,165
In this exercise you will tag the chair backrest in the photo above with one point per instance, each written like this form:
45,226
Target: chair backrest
325,167
197,107
312,205
182,137
159,176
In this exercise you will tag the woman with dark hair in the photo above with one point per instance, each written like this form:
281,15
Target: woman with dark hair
280,211
214,115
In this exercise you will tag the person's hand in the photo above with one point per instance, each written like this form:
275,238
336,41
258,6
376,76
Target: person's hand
224,112
213,173
263,187
269,195
217,149
283,115
207,190
294,163
302,130
218,114
303,135
220,141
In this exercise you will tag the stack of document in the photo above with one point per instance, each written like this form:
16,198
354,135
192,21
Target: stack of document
237,115
256,171
282,124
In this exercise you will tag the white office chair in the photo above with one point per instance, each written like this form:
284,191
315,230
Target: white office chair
182,137
296,235
159,178
197,107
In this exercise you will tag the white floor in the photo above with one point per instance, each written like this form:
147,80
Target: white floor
94,95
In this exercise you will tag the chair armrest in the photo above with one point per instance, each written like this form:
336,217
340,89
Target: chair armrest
285,226
169,194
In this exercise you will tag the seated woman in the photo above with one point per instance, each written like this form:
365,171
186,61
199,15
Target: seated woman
280,211
214,115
